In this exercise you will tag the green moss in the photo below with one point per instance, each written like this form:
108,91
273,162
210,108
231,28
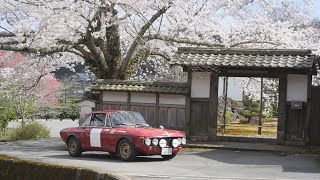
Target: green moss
14,168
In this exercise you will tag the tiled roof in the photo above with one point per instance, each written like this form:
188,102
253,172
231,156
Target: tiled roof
140,86
265,58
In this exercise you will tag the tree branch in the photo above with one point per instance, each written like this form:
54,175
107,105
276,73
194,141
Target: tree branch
141,33
255,42
180,40
4,34
161,54
35,83
39,51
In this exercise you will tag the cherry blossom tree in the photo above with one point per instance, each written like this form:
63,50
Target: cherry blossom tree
26,85
114,37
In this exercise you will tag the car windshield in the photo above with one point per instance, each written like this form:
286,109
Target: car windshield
128,118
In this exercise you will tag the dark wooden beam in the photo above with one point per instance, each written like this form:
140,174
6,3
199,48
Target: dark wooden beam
157,110
213,107
282,108
188,106
307,128
129,101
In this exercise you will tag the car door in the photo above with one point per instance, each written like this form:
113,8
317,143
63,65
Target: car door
92,133
106,137
84,135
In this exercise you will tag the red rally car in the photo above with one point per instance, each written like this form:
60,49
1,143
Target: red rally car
121,133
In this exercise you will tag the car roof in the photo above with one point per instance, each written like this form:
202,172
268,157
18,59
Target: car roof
107,111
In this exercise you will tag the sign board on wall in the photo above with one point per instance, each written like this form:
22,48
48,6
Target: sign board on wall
297,87
200,85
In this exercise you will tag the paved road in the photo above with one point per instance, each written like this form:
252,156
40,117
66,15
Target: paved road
189,164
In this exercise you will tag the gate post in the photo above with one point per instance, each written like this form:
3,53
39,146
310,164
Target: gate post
282,109
213,107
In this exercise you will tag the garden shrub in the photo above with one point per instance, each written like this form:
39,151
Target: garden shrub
61,111
29,131
69,110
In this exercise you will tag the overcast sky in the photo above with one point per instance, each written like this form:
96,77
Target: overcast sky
316,9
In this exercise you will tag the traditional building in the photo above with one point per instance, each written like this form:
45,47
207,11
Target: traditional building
192,106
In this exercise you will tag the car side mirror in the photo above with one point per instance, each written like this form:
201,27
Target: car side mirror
161,127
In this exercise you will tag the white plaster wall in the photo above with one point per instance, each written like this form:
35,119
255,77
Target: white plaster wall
200,85
143,97
297,88
85,110
86,107
115,96
87,103
172,99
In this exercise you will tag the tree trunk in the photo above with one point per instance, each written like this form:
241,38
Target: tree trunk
108,67
113,55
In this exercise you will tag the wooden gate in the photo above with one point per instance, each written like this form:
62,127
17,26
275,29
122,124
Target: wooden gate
315,116
199,119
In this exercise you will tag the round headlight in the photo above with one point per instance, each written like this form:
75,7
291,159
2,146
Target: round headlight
183,141
180,141
147,141
155,141
162,143
175,143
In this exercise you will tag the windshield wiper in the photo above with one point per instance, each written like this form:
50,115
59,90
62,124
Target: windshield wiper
143,125
121,124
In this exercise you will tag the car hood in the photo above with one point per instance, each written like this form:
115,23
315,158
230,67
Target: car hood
154,132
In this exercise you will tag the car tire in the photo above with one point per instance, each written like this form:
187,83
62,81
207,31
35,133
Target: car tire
126,150
168,157
74,148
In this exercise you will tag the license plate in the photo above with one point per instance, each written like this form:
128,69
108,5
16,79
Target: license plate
166,151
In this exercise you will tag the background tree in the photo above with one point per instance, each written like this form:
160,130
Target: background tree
7,112
251,107
25,86
113,37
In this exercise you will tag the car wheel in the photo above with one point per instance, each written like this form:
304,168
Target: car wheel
126,150
74,147
168,157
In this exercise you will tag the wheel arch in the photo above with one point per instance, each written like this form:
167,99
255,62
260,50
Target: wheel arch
72,135
122,138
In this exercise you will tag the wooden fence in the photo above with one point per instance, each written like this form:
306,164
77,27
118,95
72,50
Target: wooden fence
168,115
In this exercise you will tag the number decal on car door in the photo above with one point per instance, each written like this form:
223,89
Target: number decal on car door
95,137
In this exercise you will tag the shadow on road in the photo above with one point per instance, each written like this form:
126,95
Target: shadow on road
56,149
290,163
52,144
105,157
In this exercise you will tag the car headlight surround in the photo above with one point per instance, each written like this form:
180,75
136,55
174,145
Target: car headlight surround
162,143
183,141
175,143
155,141
147,141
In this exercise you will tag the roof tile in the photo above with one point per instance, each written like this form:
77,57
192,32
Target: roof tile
268,58
140,86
